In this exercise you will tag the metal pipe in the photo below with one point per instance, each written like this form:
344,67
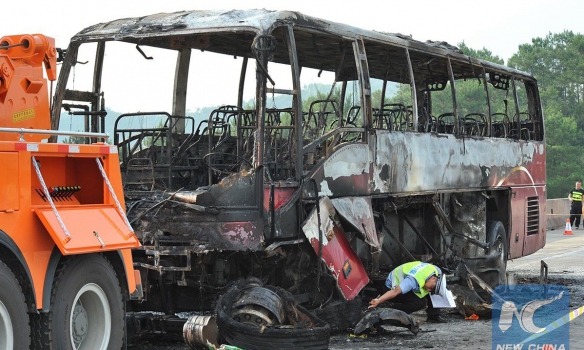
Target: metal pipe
240,107
442,234
23,131
200,330
483,284
414,93
518,120
543,273
490,120
454,98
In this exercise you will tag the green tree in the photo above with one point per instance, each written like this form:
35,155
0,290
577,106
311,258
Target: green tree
78,140
557,62
470,92
483,53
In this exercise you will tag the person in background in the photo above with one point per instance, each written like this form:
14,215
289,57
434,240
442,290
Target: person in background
409,287
575,197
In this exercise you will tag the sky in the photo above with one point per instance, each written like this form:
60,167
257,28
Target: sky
498,25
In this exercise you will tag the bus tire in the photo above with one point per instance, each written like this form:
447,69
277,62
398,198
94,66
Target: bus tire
87,308
497,240
14,326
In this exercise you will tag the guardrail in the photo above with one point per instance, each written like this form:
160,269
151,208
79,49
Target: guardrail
23,131
557,212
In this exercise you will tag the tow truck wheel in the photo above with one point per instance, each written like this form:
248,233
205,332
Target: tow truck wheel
87,310
14,328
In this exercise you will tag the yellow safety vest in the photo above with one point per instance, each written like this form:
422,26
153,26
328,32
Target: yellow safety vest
419,271
577,196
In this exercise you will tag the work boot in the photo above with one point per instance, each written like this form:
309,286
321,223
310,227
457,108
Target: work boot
436,319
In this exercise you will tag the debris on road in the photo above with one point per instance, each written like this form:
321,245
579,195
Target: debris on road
387,316
253,316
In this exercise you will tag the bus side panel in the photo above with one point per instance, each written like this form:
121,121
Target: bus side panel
535,241
426,162
527,233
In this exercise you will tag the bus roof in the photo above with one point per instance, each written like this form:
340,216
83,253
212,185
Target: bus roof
145,30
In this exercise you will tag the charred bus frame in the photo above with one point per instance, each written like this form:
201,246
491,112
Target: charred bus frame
249,191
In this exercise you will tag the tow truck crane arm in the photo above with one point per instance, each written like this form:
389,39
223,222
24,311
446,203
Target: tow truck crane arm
23,89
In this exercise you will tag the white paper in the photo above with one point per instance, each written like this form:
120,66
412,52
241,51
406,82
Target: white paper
443,301
443,298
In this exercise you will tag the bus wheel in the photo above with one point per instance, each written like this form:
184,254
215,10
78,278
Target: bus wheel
14,327
87,310
497,240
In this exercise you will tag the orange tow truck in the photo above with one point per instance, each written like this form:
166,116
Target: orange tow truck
66,267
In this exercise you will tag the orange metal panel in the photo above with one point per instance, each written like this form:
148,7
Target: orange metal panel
9,197
92,228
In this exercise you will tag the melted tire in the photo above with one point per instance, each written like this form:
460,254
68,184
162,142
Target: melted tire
13,311
95,279
341,314
498,244
286,337
492,267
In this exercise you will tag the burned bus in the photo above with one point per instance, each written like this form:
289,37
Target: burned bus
331,154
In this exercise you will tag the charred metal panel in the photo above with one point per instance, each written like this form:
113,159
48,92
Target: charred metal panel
345,172
285,219
425,162
331,245
468,217
282,196
234,190
280,205
517,231
241,234
175,224
521,244
359,213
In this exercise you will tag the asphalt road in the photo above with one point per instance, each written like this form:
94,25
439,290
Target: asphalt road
564,256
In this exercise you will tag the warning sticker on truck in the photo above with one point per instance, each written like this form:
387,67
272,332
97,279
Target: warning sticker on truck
23,115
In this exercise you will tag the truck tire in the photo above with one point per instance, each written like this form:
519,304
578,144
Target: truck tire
87,308
311,333
14,327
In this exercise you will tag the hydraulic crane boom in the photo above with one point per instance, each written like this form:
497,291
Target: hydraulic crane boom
23,89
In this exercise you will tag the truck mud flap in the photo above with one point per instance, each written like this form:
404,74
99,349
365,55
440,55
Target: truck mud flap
87,229
330,243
